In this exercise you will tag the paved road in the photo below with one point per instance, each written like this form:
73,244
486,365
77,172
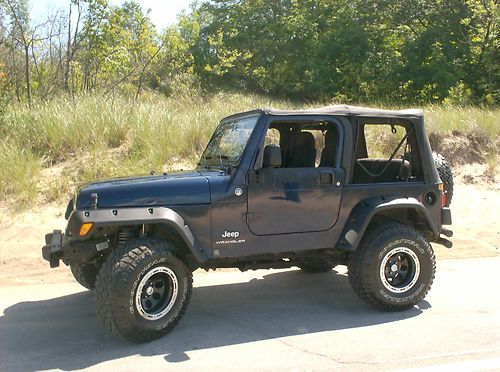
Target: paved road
266,320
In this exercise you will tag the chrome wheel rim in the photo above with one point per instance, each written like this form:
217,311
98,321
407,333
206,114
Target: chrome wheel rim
399,270
156,293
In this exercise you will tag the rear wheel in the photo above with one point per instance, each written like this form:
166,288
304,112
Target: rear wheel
393,268
143,290
85,274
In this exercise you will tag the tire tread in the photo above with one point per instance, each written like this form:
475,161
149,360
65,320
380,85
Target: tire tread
121,263
364,287
85,274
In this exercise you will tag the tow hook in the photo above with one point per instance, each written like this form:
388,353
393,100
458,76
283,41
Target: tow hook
447,233
445,242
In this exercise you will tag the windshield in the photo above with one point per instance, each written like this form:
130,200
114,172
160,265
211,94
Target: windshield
228,142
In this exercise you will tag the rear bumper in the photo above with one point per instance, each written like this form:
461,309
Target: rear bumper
445,221
445,216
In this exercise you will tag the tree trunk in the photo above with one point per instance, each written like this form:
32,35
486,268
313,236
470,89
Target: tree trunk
27,72
68,54
18,95
139,87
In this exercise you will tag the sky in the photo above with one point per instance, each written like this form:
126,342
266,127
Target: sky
163,12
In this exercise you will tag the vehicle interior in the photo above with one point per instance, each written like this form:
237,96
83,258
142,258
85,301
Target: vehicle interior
386,152
305,144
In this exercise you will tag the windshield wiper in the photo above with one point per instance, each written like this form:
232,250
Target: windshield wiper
224,162
204,163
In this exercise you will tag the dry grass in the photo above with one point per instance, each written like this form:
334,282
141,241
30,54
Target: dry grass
46,151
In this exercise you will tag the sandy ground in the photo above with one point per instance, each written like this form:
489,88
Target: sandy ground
475,224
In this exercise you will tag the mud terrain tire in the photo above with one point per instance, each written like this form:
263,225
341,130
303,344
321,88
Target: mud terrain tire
393,268
142,290
85,274
446,175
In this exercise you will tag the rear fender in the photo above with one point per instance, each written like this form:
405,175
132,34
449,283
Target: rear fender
362,215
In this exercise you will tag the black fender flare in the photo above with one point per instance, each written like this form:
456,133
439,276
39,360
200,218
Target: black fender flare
363,213
138,216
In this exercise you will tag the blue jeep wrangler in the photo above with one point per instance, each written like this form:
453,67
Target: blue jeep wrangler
338,185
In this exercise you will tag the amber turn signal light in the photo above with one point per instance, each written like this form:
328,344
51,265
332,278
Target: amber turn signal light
84,230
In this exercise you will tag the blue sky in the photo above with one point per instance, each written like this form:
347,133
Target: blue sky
163,12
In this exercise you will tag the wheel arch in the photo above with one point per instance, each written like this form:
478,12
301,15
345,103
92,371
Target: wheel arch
160,222
167,230
374,210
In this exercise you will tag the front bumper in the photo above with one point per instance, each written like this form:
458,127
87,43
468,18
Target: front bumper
59,247
52,250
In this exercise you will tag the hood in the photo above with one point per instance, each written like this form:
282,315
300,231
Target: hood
176,189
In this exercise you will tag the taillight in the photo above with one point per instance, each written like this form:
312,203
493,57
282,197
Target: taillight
443,193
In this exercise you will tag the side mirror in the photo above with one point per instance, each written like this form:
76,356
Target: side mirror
272,157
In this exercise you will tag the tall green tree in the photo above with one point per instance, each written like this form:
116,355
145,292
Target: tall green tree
21,34
416,51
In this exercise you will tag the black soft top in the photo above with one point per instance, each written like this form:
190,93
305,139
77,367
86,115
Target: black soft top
341,110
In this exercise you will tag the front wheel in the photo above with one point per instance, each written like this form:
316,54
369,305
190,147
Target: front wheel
142,290
85,274
393,268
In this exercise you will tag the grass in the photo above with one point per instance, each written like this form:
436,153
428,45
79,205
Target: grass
445,119
48,150
18,169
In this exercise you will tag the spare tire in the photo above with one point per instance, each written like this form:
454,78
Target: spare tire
446,175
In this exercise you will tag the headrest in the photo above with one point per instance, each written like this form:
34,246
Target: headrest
306,139
331,137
